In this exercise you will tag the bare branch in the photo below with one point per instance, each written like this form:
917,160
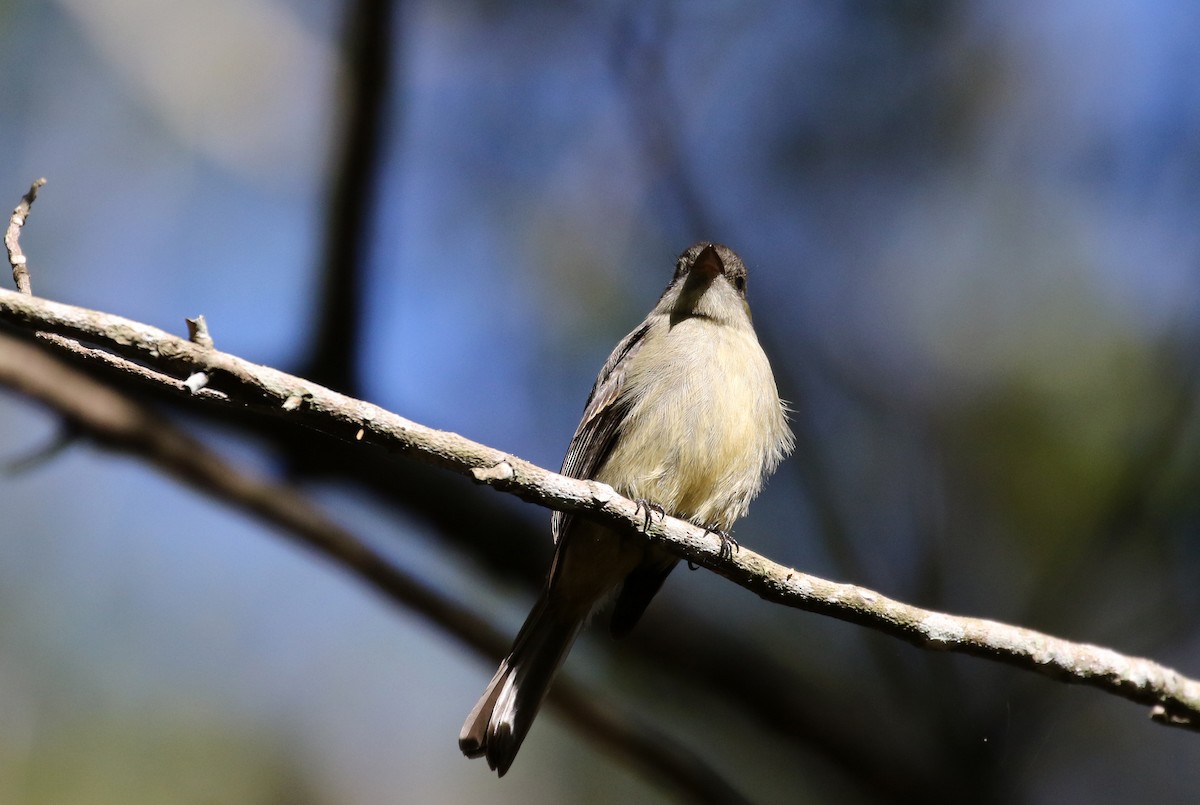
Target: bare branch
1174,698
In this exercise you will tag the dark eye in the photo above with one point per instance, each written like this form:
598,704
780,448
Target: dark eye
739,282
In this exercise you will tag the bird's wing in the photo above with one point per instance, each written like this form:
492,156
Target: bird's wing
602,417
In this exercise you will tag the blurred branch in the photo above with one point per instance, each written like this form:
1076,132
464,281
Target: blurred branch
114,421
728,662
367,50
1174,698
637,59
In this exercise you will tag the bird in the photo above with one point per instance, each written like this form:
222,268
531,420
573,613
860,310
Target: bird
685,418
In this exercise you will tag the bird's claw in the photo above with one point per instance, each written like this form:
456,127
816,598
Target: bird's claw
648,509
728,546
728,543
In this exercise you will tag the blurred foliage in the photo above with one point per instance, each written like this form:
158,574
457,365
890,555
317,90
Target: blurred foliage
166,758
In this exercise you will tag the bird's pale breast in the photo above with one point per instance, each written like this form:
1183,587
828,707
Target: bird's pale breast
694,441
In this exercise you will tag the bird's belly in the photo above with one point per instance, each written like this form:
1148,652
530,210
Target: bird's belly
694,441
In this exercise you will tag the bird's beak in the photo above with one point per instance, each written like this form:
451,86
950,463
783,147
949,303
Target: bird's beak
708,264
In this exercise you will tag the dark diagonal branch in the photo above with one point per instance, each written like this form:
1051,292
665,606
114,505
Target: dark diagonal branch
1174,698
113,420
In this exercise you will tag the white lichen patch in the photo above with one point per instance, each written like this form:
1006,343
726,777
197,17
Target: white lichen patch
941,629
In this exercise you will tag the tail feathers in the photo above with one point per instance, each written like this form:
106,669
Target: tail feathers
640,586
501,719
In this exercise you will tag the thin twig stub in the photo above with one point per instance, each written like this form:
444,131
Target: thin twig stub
12,239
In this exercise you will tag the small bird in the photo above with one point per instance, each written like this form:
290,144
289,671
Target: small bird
684,418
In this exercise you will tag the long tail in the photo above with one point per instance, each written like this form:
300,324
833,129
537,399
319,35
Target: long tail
501,719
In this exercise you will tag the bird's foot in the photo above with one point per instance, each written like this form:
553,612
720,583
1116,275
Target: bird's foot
728,543
648,509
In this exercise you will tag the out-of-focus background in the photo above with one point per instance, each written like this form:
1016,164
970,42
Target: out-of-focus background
974,238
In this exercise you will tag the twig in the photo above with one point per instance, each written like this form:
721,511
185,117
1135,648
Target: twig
1175,698
113,420
198,331
12,239
107,360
